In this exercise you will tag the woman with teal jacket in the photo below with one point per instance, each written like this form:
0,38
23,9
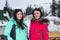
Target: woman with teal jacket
16,29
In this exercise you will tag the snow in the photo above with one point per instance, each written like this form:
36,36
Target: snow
4,23
52,26
6,14
51,18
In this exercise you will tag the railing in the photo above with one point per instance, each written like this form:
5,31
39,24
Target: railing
54,35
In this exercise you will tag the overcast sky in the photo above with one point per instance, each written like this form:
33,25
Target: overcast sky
24,3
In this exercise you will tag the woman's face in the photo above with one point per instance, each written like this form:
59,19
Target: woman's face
37,14
19,15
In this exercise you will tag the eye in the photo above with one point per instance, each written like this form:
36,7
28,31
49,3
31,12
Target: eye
37,13
18,14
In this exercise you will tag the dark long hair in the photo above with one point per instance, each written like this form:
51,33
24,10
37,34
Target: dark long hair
15,18
37,9
42,20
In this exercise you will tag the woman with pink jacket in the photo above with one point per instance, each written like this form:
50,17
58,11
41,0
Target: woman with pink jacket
38,27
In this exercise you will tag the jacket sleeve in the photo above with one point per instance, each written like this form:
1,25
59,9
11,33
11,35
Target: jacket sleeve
27,32
45,32
26,27
8,30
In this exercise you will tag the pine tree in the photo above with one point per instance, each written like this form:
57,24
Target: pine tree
53,8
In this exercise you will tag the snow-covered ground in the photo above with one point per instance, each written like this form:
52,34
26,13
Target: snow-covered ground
52,26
